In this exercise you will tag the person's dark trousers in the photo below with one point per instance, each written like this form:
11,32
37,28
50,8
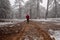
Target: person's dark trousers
27,20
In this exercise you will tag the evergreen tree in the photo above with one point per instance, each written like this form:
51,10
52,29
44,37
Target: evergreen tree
4,9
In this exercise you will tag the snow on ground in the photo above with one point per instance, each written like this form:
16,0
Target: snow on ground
4,23
11,21
48,20
42,19
55,34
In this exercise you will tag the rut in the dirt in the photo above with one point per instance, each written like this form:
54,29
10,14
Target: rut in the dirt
30,31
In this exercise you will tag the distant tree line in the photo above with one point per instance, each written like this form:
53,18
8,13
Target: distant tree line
35,10
4,9
31,7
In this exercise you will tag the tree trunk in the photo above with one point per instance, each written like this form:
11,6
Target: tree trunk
38,14
55,8
30,12
47,9
20,10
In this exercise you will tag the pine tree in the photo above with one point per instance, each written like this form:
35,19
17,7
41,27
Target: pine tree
4,8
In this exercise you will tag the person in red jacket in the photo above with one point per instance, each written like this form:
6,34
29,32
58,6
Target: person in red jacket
27,17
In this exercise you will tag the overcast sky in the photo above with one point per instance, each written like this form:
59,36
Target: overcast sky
12,2
44,4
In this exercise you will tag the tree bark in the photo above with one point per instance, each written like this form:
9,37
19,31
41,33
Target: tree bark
47,9
55,8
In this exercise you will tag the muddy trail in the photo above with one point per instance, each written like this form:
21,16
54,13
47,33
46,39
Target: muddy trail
24,31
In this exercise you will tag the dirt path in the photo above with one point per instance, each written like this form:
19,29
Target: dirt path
31,31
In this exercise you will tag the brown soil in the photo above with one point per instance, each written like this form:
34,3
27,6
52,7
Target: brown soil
24,31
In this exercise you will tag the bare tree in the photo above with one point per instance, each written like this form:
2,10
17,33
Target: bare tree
18,3
55,8
37,4
38,14
47,9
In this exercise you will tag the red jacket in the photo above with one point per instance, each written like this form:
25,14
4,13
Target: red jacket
27,16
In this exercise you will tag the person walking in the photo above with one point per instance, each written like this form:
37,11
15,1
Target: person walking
27,17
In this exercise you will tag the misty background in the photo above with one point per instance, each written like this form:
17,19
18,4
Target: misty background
18,9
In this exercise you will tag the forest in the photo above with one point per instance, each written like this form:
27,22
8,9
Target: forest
29,19
32,7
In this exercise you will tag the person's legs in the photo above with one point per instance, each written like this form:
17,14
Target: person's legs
27,20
